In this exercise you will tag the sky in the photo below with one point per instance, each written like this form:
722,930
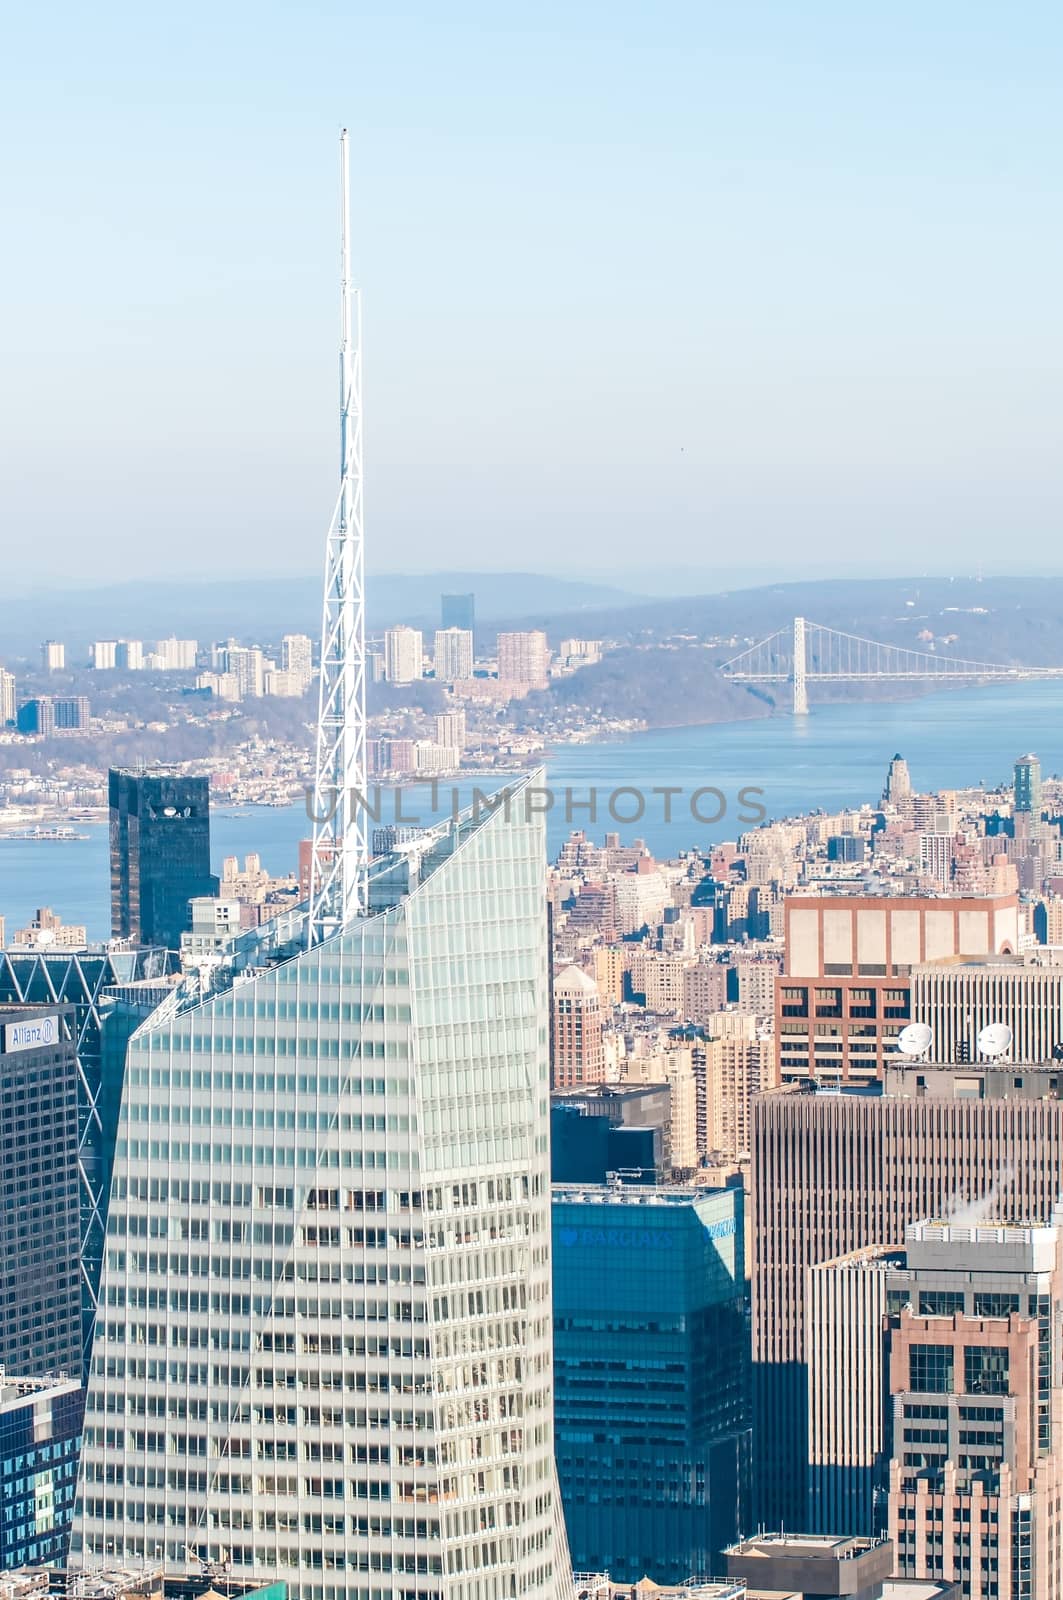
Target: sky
673,286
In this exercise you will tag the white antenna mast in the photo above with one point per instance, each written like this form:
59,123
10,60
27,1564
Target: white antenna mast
340,848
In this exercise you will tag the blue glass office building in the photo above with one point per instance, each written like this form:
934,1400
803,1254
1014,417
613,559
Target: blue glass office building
651,1377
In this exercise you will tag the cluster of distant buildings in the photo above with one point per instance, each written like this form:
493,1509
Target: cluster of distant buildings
806,1138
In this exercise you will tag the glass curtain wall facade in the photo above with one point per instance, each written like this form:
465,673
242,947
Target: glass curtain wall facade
652,1378
324,1349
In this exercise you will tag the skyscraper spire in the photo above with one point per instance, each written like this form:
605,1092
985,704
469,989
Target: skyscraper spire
340,845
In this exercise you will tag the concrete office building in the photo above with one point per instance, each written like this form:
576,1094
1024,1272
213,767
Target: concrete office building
345,1245
40,1439
895,1158
53,656
844,993
651,1378
160,854
846,1302
976,1387
40,1279
958,1000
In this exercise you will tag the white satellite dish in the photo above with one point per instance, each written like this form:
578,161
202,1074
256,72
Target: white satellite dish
915,1039
46,936
994,1040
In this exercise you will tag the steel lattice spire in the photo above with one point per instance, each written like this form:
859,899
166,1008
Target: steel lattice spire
340,846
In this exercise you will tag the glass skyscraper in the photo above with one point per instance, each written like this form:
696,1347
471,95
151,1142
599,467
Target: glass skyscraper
324,1349
652,1378
160,854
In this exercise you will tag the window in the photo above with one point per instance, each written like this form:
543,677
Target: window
940,1302
985,1369
931,1368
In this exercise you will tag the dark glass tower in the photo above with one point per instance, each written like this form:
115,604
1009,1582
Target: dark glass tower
651,1375
458,611
40,1272
160,854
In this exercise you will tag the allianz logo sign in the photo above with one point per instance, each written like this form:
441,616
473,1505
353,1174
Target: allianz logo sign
31,1035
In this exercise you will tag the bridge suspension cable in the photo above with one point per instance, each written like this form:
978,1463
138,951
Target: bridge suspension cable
808,652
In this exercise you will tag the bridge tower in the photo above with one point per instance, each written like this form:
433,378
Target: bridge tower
800,667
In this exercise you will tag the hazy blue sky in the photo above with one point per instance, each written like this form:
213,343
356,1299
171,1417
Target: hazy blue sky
675,282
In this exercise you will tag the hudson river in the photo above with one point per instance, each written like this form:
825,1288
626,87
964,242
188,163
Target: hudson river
835,757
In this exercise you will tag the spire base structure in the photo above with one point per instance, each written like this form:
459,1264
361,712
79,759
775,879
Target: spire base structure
340,855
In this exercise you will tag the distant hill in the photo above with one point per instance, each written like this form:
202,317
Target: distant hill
264,608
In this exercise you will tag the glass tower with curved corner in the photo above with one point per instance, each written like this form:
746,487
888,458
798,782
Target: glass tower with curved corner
324,1347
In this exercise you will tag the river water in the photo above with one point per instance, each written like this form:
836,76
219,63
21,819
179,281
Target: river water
835,757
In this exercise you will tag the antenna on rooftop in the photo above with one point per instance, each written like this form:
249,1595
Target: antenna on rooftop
340,853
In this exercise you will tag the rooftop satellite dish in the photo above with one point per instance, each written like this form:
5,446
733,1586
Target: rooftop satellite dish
915,1039
46,936
994,1040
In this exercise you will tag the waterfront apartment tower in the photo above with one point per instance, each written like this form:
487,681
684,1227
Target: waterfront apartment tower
524,659
403,654
452,655
329,1250
53,656
8,707
160,854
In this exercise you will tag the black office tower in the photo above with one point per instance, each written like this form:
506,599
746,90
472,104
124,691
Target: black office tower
160,854
457,611
40,1220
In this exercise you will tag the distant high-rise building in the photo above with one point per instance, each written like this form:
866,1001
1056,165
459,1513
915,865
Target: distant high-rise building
53,656
247,665
896,1157
976,1387
297,657
104,654
1028,786
898,783
160,854
524,659
72,713
8,706
458,611
651,1379
450,730
40,1440
579,1052
176,655
40,1273
362,1383
958,999
129,655
734,1068
37,717
403,654
453,654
